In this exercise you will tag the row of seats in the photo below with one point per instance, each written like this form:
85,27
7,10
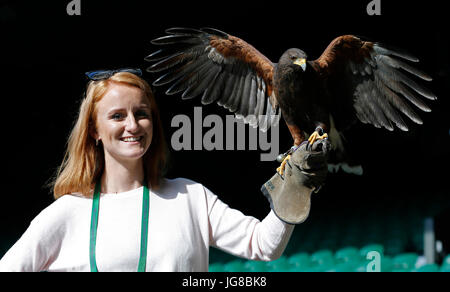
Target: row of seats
398,225
349,259
333,240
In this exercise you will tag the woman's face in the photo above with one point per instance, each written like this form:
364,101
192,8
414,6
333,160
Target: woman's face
124,122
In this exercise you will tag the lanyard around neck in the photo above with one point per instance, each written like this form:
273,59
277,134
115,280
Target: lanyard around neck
94,224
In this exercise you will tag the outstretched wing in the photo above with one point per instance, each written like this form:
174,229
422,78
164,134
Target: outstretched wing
372,79
221,67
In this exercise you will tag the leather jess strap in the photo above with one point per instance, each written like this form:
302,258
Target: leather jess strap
94,225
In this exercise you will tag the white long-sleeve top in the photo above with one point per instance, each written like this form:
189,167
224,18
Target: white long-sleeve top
185,218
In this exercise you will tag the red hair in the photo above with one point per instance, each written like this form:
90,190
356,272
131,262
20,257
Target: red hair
83,162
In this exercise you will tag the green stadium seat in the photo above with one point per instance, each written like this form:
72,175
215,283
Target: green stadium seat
344,267
300,259
256,266
347,254
279,265
321,268
387,264
427,268
322,257
361,267
216,267
301,269
234,266
445,268
404,262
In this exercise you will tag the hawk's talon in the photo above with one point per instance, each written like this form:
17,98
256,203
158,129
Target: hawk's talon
283,158
280,169
316,136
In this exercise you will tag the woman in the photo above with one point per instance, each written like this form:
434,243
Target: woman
117,152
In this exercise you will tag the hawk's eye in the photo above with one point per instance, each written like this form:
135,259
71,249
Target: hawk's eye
293,57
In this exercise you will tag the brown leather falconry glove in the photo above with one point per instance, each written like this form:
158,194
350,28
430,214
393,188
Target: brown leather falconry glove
290,194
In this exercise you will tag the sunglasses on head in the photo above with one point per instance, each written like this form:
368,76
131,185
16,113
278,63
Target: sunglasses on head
105,74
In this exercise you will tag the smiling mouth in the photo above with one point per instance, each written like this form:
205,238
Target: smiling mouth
131,139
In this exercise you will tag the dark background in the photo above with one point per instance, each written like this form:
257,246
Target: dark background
45,52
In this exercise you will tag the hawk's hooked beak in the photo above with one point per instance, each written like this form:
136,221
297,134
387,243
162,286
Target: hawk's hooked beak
301,62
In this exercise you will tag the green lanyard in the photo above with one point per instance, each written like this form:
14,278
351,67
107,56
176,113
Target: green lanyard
94,224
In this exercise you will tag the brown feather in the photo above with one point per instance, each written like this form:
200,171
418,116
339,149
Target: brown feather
343,49
237,48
